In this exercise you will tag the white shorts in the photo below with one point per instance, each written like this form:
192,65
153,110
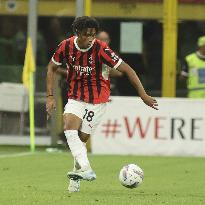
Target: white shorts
91,114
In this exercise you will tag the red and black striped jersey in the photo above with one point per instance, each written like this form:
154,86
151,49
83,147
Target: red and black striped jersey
85,79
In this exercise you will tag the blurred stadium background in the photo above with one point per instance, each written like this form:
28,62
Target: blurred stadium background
163,32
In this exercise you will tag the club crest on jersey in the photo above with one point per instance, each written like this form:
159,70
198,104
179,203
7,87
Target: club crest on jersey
72,58
86,70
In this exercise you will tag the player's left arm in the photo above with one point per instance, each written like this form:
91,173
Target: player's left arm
135,81
115,73
112,60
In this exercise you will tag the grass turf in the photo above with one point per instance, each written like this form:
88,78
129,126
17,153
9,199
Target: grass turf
40,179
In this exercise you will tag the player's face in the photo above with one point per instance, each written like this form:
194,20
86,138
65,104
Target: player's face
86,37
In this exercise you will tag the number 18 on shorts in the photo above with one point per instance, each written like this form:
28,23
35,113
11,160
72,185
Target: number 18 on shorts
91,114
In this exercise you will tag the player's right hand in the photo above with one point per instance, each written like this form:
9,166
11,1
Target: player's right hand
50,105
150,101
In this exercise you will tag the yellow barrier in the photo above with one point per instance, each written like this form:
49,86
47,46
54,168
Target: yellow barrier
110,8
169,48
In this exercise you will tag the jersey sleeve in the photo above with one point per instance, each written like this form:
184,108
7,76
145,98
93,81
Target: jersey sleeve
59,54
109,57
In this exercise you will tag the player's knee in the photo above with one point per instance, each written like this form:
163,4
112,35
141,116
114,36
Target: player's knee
69,126
71,122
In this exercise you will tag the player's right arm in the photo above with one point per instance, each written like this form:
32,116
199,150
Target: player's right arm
53,65
62,71
50,80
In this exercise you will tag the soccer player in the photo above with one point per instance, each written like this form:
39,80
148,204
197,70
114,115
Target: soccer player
88,91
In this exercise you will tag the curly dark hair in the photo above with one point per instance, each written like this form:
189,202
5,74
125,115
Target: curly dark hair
84,22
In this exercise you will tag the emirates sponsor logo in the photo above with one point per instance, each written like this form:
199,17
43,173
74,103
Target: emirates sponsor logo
86,70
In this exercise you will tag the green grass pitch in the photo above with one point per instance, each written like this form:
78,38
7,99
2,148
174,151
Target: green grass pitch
40,179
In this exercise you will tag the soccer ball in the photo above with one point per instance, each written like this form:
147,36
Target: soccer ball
131,176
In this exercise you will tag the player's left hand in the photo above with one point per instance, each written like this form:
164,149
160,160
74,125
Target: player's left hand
150,101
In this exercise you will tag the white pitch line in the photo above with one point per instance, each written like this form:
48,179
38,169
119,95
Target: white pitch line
16,155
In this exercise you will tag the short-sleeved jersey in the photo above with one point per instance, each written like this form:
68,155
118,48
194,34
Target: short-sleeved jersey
85,79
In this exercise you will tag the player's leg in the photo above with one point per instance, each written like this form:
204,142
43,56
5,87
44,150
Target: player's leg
73,115
84,173
83,136
92,117
74,185
71,125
